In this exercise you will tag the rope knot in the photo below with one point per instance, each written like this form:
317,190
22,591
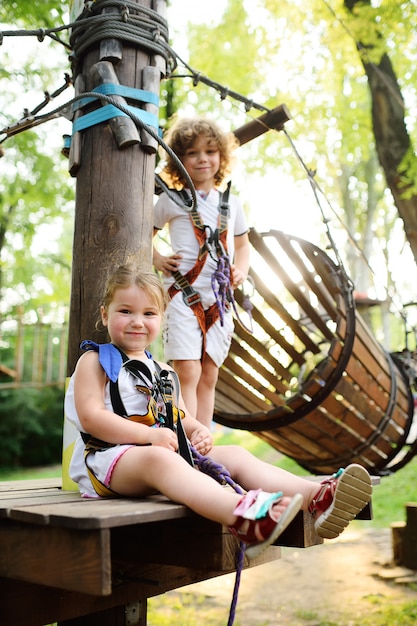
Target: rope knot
220,283
224,92
125,13
247,304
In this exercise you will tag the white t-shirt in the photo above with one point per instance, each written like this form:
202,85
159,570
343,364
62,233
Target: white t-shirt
182,237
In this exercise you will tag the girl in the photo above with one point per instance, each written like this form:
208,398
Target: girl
133,455
197,334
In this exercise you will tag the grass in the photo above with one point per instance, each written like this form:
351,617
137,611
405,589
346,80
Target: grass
52,471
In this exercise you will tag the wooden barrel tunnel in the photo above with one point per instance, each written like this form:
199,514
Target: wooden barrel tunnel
311,380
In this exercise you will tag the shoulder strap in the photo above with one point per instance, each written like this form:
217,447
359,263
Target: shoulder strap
116,400
183,443
137,368
224,207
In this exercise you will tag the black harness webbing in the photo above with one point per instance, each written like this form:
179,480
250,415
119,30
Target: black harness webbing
164,385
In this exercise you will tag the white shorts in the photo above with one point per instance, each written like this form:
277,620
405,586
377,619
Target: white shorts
183,339
101,463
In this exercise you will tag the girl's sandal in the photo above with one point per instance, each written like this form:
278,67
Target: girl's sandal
339,499
257,524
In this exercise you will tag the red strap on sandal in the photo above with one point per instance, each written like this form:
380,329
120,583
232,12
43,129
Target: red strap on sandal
257,526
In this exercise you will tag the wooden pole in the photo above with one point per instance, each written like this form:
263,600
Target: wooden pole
114,190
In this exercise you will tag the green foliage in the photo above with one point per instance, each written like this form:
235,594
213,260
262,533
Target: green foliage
31,422
36,191
45,14
408,170
184,609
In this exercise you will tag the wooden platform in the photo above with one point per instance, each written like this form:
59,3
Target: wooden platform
77,561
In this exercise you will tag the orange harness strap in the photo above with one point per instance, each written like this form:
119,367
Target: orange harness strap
206,318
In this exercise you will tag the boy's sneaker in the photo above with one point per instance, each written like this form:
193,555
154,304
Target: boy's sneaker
339,499
258,525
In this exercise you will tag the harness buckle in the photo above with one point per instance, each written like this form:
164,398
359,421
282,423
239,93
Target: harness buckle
191,298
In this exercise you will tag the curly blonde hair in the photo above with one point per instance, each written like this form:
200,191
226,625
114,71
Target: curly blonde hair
182,135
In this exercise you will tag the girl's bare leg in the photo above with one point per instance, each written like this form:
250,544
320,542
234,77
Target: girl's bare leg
149,469
252,473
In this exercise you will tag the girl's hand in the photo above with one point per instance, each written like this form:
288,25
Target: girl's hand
164,437
201,440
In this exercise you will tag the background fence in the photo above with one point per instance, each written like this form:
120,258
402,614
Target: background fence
32,354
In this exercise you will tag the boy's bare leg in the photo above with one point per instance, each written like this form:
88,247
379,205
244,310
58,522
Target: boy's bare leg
189,373
206,391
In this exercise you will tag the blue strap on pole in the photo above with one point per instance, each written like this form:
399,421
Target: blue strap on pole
112,89
109,111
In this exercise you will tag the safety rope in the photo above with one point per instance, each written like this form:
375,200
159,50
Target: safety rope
223,292
221,286
222,475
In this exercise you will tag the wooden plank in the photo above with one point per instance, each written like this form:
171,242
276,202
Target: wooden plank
84,513
259,347
324,291
26,499
275,305
37,483
237,350
238,371
237,398
300,533
57,557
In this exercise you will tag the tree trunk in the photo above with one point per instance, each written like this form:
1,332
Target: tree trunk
391,136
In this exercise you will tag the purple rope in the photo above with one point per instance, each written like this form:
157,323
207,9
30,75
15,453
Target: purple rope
220,283
239,568
223,292
222,476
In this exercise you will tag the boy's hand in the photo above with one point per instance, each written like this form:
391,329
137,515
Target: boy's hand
201,440
167,264
239,277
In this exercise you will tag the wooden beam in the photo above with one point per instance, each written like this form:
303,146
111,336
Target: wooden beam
272,120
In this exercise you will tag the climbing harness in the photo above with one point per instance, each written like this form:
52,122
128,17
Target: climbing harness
156,385
162,410
213,243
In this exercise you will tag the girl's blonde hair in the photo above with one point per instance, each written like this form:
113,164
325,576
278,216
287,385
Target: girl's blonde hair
129,275
182,135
